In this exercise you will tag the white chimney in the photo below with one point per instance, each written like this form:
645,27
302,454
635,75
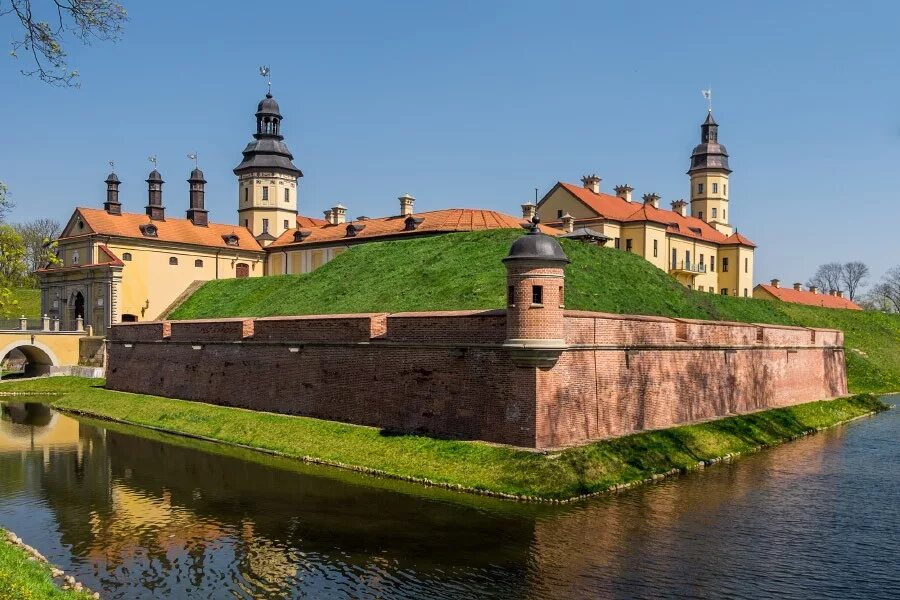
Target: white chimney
680,207
776,283
329,216
651,199
339,214
529,210
814,289
840,294
568,222
591,182
624,192
798,287
406,205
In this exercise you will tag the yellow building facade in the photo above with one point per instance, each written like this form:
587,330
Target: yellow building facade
692,241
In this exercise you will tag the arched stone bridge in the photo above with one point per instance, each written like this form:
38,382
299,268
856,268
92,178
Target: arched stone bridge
46,351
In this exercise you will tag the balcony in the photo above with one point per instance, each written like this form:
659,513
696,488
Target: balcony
687,268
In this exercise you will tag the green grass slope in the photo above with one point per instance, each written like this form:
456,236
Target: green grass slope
28,303
464,271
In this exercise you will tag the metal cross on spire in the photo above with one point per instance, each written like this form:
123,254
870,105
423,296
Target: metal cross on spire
152,159
707,93
265,71
193,157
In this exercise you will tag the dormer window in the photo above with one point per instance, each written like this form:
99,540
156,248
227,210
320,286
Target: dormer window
412,223
301,234
231,240
149,230
354,228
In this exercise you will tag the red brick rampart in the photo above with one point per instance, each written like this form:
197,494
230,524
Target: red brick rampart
448,374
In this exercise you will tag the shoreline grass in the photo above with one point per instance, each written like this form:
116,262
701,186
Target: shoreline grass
463,465
23,576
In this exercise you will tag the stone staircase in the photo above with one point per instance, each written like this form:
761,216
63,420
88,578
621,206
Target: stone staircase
193,287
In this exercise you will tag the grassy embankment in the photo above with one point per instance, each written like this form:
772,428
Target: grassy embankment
470,465
463,271
24,579
28,303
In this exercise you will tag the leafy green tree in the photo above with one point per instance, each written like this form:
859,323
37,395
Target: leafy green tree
13,267
45,24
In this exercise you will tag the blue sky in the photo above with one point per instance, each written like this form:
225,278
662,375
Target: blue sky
474,104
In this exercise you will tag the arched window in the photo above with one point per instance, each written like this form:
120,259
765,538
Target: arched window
75,257
173,260
126,256
198,263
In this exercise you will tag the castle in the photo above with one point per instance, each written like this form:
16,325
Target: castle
119,267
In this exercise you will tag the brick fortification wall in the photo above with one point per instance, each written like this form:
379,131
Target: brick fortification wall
449,374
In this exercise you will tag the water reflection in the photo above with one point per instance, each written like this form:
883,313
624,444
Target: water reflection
141,516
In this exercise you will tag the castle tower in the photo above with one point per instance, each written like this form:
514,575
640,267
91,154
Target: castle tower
197,212
535,279
709,178
267,178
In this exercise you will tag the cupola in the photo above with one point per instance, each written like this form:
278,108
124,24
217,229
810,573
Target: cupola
112,204
155,209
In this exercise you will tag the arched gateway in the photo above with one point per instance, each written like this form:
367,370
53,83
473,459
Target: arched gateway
39,357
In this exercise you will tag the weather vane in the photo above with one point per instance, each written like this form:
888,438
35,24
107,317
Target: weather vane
707,93
264,71
152,158
193,157
112,165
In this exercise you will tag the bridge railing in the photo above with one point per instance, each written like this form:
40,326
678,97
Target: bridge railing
44,325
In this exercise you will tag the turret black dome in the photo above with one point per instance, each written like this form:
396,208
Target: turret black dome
197,175
268,106
536,246
155,176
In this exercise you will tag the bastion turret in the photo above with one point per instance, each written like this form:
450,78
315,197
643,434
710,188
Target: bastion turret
535,280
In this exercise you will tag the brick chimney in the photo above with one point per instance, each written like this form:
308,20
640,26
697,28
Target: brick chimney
591,182
798,287
840,293
529,210
339,214
652,199
624,192
112,204
407,203
535,276
680,207
155,209
197,213
814,289
832,292
776,283
568,222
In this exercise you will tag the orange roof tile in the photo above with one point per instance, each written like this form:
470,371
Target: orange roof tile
171,230
616,209
304,221
436,221
809,298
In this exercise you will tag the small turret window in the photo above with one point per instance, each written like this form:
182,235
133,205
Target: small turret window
725,189
287,195
715,212
265,196
537,295
699,188
126,256
265,224
246,194
715,188
173,260
725,265
511,295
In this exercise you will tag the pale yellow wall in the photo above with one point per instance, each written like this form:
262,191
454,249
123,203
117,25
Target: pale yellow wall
561,200
740,270
253,208
713,198
303,261
82,247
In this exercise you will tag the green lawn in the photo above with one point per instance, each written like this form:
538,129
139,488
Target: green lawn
28,303
472,465
464,271
23,579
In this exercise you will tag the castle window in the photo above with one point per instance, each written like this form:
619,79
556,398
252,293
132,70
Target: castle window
265,196
617,243
712,263
198,263
126,256
559,214
247,223
246,194
561,298
746,265
700,215
724,215
715,188
628,244
674,258
702,263
700,289
746,294
537,295
714,213
287,195
173,260
287,224
725,265
724,291
511,295
655,248
725,189
699,188
75,257
265,224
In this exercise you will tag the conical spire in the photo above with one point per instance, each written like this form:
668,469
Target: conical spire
709,153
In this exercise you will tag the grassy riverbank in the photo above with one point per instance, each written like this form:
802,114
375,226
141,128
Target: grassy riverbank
25,579
464,271
472,465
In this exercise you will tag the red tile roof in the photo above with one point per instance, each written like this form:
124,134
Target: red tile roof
437,221
171,230
304,221
616,209
809,298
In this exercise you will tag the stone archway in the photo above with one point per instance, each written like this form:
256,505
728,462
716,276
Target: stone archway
40,359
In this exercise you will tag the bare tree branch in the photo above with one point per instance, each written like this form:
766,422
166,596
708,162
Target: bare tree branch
827,277
852,276
82,19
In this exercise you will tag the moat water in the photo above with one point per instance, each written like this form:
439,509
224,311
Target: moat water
138,515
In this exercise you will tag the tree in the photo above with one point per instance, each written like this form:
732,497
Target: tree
827,277
6,203
852,276
12,267
886,294
42,34
38,235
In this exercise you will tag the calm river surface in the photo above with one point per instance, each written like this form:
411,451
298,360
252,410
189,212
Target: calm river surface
139,515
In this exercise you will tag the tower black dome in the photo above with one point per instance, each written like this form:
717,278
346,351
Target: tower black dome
268,106
536,246
709,153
